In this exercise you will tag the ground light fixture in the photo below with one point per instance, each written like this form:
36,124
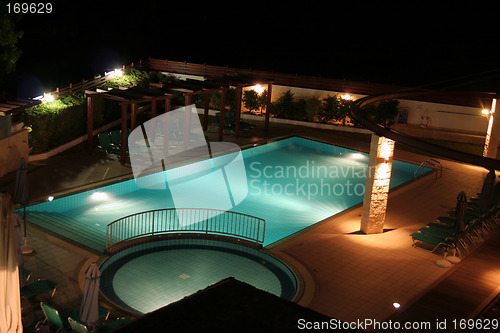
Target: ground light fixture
47,98
99,196
114,73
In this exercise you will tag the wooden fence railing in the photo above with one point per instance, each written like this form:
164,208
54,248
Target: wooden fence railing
91,83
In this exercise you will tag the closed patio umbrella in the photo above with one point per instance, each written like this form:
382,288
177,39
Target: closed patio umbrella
16,222
487,191
460,211
10,299
22,196
89,309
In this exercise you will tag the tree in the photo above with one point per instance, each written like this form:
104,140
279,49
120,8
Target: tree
385,112
283,106
251,99
9,37
314,108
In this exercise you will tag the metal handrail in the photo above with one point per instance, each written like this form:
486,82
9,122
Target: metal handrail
185,220
432,162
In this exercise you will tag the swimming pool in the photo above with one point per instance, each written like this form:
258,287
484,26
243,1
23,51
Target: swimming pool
146,277
291,183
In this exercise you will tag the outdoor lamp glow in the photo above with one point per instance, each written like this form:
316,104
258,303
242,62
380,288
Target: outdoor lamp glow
485,111
48,98
258,89
99,196
118,72
396,305
347,97
50,198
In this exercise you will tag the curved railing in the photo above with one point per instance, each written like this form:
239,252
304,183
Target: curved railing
185,220
357,114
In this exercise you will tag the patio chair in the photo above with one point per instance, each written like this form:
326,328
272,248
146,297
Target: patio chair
78,327
107,145
103,313
432,241
53,317
38,288
116,138
25,274
246,126
437,233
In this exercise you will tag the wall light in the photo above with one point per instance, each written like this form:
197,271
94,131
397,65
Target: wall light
347,97
396,305
50,198
485,111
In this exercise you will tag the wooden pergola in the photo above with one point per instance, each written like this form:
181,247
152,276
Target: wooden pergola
158,92
131,96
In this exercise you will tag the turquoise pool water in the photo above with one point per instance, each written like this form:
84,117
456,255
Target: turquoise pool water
146,277
292,184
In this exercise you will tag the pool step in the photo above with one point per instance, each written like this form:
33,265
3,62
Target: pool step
68,228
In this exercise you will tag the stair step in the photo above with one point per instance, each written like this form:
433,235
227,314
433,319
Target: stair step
69,228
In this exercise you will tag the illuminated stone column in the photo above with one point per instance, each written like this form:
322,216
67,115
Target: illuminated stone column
493,132
378,178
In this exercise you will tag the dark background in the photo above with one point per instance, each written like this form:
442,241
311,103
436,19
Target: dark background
450,43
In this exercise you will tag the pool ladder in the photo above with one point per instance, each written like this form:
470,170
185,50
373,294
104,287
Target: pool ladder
433,164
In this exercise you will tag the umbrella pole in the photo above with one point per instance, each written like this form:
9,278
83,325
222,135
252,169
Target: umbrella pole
26,249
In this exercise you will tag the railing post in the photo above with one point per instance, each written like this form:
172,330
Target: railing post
206,223
258,232
153,223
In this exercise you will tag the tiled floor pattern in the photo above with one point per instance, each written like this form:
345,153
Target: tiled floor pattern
361,276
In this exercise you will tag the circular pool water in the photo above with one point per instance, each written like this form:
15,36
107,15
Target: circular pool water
149,276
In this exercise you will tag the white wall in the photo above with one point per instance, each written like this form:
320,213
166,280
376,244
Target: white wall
434,115
453,117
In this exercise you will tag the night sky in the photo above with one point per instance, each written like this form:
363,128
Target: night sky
413,45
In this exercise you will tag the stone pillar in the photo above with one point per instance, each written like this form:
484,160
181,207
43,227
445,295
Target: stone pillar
378,178
493,133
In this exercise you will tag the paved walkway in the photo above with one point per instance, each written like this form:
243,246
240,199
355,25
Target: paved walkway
347,275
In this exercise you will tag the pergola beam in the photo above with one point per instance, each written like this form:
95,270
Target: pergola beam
221,114
131,96
239,92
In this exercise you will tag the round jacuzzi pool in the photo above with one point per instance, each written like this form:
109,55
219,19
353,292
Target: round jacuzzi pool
149,276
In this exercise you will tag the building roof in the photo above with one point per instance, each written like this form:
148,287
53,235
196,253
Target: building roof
227,306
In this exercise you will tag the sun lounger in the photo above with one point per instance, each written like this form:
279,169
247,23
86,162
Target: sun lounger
103,313
437,233
38,288
53,317
25,274
82,328
107,145
432,241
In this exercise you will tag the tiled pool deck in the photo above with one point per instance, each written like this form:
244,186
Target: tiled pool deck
347,275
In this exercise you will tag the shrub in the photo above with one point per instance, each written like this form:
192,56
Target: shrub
332,109
283,106
134,78
385,112
56,123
